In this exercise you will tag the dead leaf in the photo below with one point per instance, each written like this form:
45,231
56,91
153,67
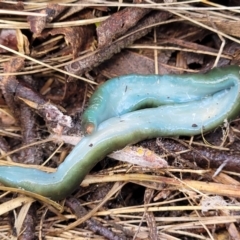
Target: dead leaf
128,62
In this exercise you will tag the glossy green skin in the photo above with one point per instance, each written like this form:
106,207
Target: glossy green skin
129,93
218,101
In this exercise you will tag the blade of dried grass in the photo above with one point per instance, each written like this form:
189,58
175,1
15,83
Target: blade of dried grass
21,216
33,196
14,203
166,209
138,46
22,13
205,187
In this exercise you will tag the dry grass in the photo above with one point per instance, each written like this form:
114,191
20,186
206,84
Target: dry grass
200,207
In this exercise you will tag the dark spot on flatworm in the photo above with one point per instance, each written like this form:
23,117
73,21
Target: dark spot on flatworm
194,125
90,145
125,88
121,120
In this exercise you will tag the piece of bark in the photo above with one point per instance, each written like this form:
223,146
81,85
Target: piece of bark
92,224
37,24
29,155
28,118
118,23
94,59
80,37
205,156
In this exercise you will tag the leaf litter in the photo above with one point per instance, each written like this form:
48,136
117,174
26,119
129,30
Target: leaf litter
53,56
